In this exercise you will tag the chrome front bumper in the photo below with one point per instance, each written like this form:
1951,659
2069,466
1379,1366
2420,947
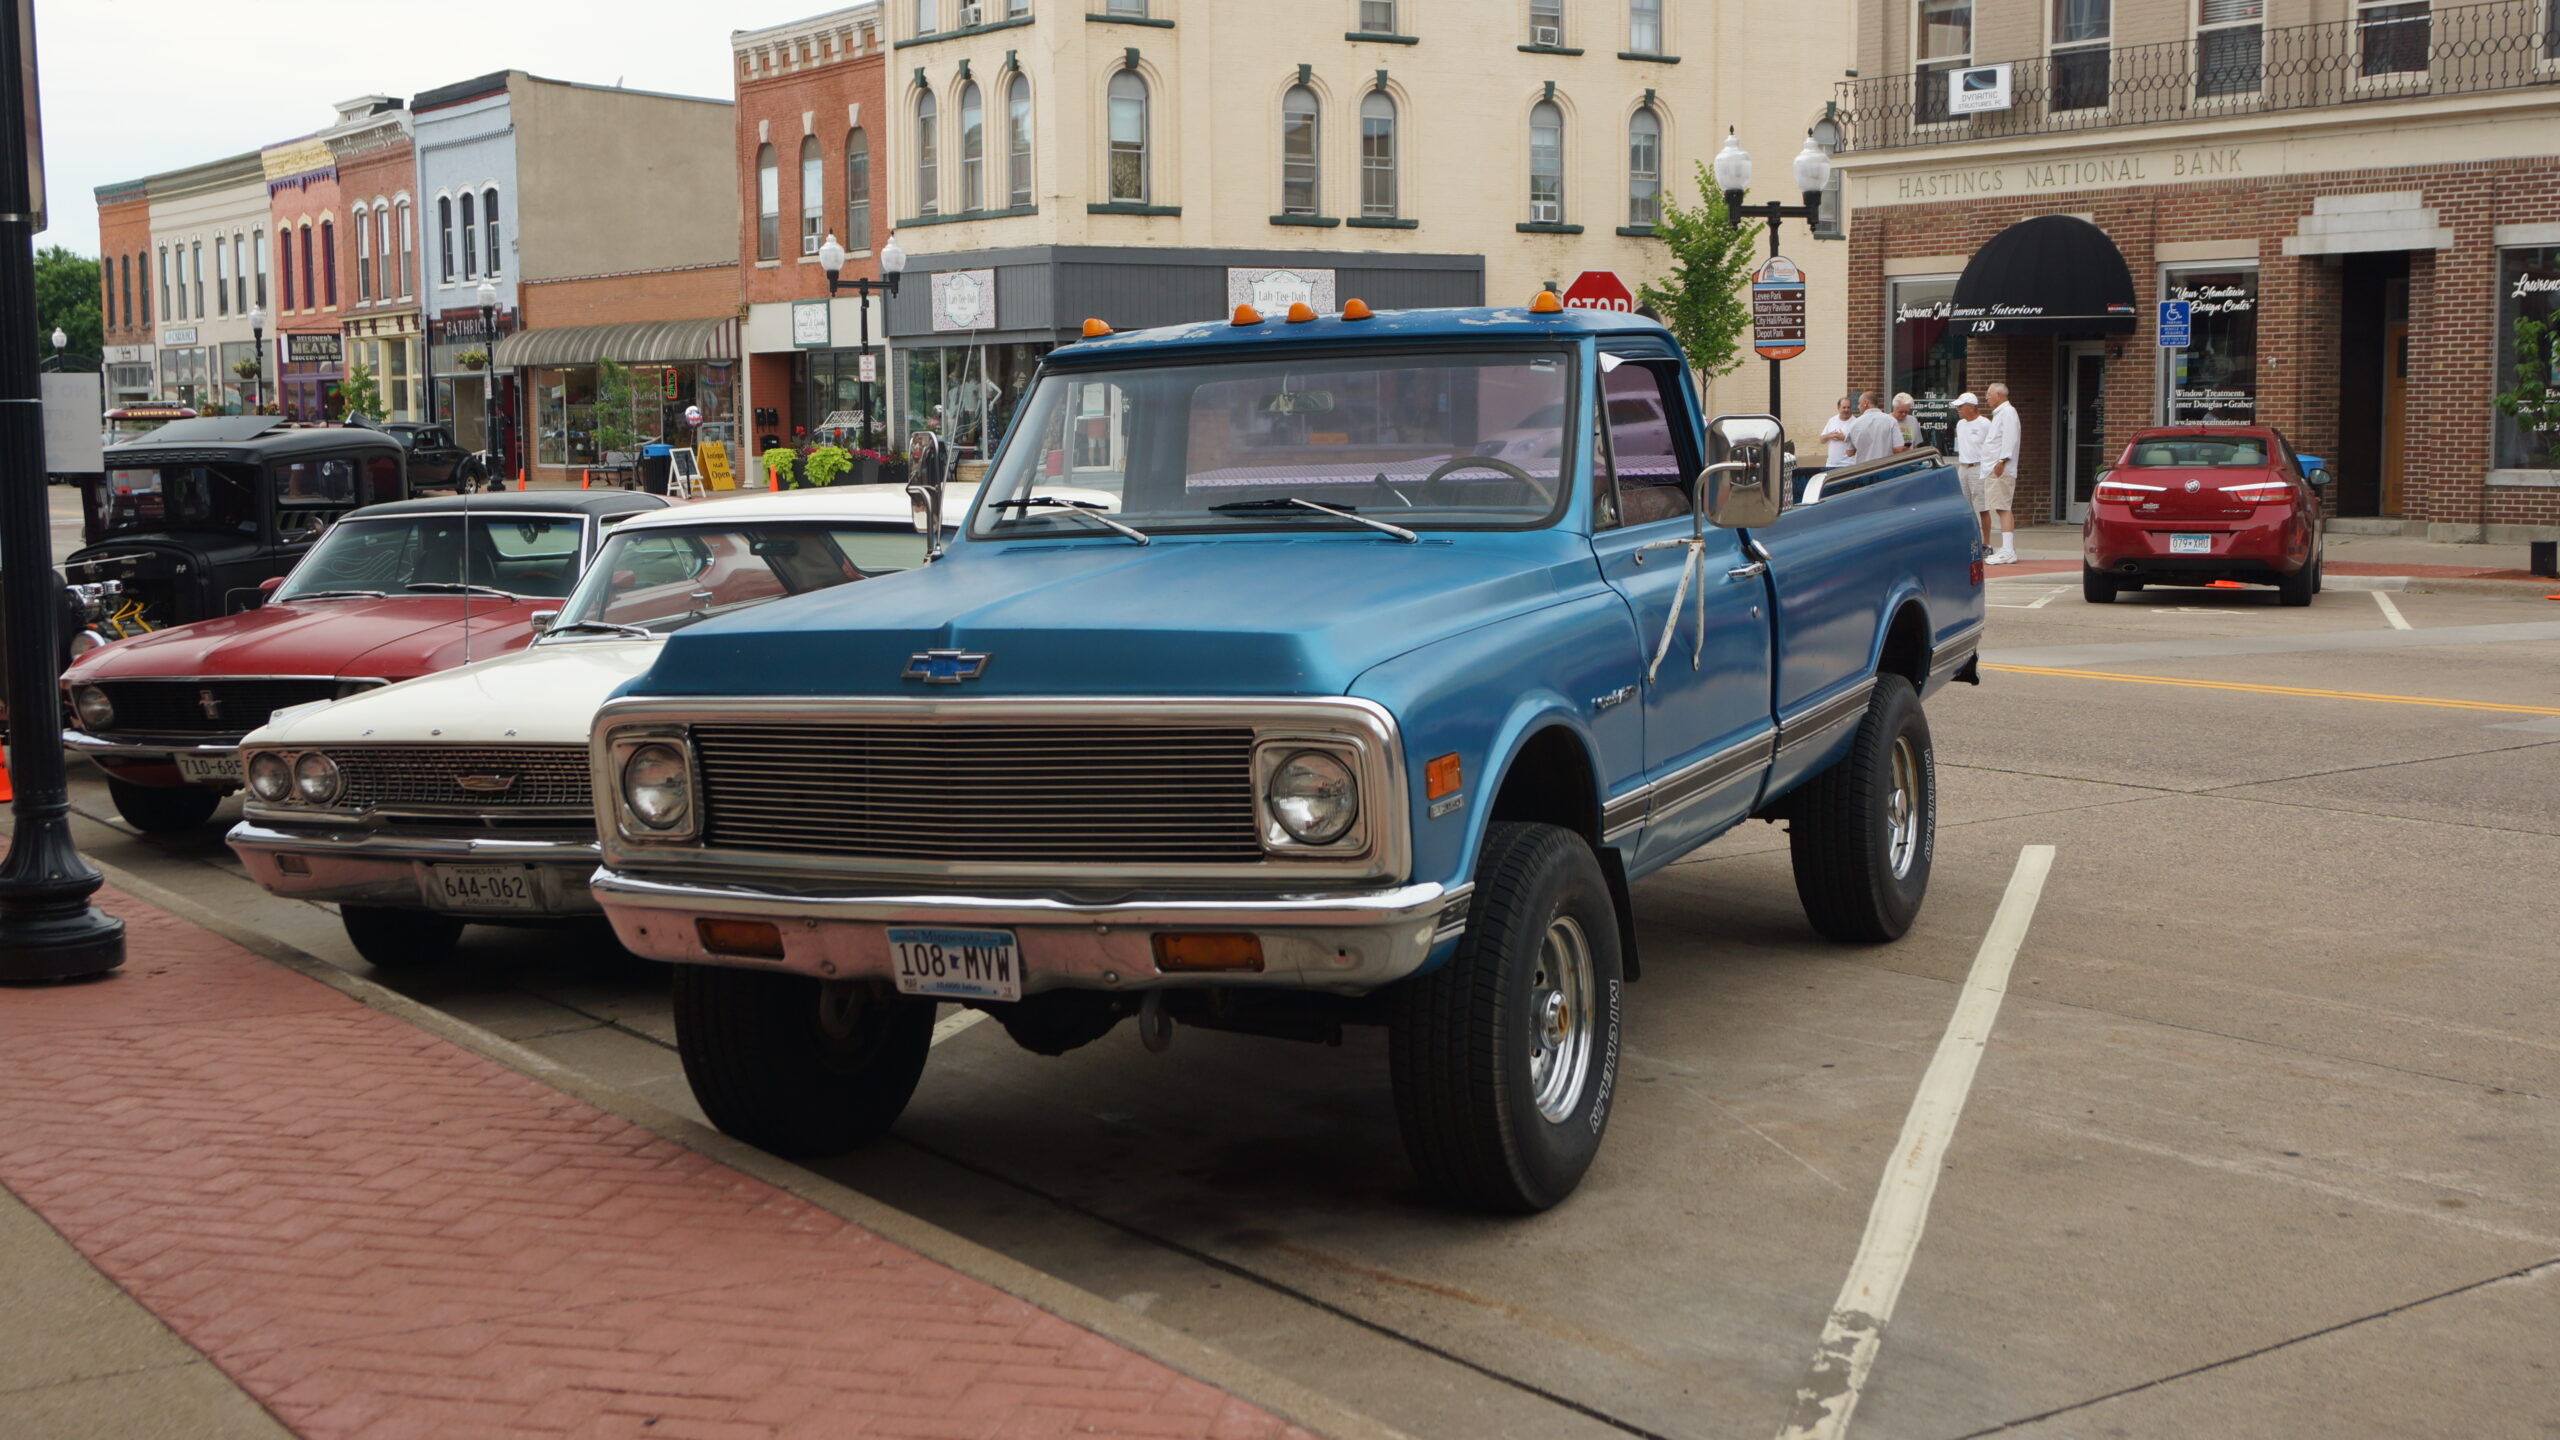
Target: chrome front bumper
1349,943
164,752
374,867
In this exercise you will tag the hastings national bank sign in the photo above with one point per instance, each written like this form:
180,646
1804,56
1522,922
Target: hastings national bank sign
2114,170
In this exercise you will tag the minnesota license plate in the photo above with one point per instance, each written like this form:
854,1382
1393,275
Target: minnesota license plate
482,888
962,964
203,769
2190,544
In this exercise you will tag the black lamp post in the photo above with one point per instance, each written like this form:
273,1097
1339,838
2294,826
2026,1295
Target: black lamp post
1733,177
48,928
62,359
493,475
893,263
258,342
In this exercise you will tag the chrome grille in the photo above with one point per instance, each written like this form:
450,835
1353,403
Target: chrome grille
177,707
387,777
1035,794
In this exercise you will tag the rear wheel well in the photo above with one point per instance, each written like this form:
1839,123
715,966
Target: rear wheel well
1906,646
1551,782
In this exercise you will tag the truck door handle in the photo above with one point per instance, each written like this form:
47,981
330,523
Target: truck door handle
1753,570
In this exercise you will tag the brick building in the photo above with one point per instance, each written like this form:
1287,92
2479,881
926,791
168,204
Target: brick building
306,356
377,166
2355,207
809,98
124,286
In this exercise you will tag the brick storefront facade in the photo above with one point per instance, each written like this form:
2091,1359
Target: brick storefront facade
125,290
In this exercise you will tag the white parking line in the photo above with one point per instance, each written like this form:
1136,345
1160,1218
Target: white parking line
2390,611
1847,1352
2047,598
955,1022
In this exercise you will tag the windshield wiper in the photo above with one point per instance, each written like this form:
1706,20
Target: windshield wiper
337,595
450,587
1081,509
1291,502
616,626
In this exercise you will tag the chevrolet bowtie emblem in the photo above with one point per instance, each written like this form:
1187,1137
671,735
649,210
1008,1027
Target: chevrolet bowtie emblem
945,667
486,784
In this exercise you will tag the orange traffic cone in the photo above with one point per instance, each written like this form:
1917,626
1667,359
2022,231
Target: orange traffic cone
521,484
6,794
2228,585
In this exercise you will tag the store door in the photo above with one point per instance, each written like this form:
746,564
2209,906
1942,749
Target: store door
2081,425
2395,389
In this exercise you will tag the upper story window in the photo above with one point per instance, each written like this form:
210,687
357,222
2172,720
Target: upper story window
1944,39
1129,138
928,155
1300,193
195,263
240,272
768,204
310,274
386,275
165,286
444,239
1644,167
857,189
221,278
2230,38
1546,164
1378,155
258,252
124,266
470,238
813,196
364,255
928,17
284,268
1015,9
2081,31
1017,142
1546,22
1644,26
142,289
329,264
973,147
489,219
1378,17
1137,8
2395,34
408,249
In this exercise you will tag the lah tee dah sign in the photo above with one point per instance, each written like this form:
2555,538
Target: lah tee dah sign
1777,309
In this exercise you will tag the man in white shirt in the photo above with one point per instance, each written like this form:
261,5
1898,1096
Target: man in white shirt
1973,436
1872,435
1835,436
2000,482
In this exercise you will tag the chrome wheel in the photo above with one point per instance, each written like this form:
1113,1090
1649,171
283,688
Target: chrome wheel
1560,1019
1902,808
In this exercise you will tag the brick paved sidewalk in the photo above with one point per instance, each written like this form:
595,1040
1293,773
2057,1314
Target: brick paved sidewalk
377,1233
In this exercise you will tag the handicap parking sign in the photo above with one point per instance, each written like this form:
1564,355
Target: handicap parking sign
2176,322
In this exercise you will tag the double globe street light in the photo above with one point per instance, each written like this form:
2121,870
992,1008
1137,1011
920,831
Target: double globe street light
1732,168
893,263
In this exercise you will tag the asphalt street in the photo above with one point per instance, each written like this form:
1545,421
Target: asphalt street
2262,1141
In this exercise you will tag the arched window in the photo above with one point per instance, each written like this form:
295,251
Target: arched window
364,256
165,287
489,219
470,239
1017,143
857,189
768,204
142,287
813,196
310,276
124,267
1644,167
329,263
1378,155
408,251
973,147
444,239
1546,164
1300,168
384,276
284,268
928,161
1129,138
258,248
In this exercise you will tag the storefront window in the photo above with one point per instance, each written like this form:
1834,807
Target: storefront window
2215,379
967,393
2528,287
1924,355
565,416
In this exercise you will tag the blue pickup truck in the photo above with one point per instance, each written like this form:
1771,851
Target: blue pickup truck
1287,675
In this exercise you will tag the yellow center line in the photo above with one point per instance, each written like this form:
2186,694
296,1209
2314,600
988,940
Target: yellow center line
2278,690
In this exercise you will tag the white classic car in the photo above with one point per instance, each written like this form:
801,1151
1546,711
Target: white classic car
463,797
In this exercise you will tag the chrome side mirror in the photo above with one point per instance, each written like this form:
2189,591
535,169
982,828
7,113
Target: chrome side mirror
542,620
924,505
1745,482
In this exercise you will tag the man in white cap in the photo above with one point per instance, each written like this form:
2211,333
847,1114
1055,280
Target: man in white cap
1973,436
2000,479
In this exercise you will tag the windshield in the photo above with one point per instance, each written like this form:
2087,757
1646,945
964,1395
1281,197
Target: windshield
529,555
2218,451
664,579
183,497
1422,441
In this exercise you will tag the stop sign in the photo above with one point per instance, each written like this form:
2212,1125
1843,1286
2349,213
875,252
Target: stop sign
1600,290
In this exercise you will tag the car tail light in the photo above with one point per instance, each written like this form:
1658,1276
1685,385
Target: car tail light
2125,492
2258,492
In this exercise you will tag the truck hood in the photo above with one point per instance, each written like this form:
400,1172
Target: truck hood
546,695
1225,615
392,638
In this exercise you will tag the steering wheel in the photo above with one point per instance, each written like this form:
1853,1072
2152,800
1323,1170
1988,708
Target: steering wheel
1431,482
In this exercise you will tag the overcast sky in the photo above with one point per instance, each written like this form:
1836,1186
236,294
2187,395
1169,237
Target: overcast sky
132,87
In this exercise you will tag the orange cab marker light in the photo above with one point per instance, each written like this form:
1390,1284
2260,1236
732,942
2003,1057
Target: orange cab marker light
1096,329
1209,952
761,939
1441,776
1300,312
1546,304
1247,315
1356,308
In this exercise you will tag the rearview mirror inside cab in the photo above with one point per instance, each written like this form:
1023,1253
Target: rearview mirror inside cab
1745,483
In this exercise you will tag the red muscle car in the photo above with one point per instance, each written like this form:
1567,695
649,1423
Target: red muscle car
391,592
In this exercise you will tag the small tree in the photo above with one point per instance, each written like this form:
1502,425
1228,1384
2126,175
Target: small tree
617,424
359,396
1701,300
2534,403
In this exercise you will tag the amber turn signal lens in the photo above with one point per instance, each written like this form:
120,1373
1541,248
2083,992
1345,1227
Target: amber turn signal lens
1546,304
1356,308
1247,315
1209,952
1096,329
1300,312
761,939
1441,776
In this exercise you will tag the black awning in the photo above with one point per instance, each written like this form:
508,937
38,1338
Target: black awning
2052,275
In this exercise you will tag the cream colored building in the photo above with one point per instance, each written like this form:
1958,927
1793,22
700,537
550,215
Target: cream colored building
1139,156
209,227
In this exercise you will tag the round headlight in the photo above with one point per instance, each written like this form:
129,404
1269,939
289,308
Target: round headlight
657,785
315,778
269,777
1313,797
96,711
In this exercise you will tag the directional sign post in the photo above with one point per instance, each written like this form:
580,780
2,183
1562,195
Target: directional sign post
1777,314
2177,324
1600,290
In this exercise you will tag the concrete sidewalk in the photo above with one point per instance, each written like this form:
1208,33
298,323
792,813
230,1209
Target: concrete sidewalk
371,1231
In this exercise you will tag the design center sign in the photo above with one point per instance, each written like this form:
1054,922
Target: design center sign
1777,309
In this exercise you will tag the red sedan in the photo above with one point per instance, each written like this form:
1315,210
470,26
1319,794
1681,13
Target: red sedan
2192,504
392,592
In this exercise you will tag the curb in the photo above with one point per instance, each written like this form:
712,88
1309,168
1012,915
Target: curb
1173,1348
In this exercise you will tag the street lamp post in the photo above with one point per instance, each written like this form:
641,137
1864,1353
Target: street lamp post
1733,177
48,928
492,474
893,263
258,343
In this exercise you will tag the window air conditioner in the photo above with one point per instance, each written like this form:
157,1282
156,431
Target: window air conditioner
1545,212
809,244
1549,35
971,15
